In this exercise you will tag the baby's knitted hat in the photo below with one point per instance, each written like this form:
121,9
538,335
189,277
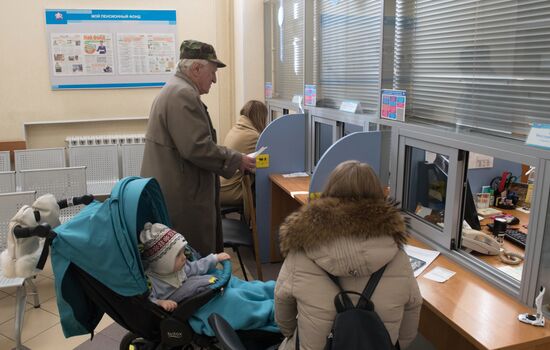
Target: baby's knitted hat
161,245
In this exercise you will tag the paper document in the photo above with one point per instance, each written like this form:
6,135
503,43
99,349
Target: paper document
420,258
258,152
439,274
295,193
298,174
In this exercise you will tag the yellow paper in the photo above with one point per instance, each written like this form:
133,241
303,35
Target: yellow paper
262,161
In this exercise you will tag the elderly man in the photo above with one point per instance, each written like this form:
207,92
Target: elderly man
181,150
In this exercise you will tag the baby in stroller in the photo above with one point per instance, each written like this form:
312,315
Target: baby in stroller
175,275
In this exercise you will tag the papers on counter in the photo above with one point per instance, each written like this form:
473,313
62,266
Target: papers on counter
293,194
298,174
439,274
420,258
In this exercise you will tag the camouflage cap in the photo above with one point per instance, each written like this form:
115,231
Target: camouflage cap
193,49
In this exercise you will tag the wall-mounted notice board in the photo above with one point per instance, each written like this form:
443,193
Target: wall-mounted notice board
111,49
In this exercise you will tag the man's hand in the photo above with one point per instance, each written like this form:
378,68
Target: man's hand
247,164
168,305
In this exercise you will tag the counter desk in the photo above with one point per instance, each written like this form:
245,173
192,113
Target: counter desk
465,312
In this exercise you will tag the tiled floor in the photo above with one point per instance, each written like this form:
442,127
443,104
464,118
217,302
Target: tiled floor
41,327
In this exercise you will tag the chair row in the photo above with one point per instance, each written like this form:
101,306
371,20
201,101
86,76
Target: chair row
105,164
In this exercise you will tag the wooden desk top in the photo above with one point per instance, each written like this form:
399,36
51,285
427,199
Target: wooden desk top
291,185
480,312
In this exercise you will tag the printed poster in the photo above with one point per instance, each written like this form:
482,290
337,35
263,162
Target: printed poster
104,49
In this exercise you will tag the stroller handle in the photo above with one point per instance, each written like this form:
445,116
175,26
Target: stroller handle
85,199
43,230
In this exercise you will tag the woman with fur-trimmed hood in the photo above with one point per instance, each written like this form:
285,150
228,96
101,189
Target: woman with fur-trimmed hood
350,232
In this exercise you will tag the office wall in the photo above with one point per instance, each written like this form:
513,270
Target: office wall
25,94
249,51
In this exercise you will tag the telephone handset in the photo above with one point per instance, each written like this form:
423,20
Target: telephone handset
480,242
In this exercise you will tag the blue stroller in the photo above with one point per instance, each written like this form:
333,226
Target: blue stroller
97,266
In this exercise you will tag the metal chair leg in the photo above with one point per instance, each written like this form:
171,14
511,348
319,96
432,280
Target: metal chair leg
20,300
33,292
236,249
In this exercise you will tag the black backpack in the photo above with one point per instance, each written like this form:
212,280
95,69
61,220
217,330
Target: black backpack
359,326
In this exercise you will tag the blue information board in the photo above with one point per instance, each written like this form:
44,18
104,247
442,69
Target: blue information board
106,49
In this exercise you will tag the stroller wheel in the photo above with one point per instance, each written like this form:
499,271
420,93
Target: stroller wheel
133,341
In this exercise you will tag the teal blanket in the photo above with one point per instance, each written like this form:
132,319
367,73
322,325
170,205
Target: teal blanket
245,305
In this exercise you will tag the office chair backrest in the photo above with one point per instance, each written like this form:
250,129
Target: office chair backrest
250,212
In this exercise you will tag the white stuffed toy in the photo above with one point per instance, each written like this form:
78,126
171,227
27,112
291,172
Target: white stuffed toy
22,254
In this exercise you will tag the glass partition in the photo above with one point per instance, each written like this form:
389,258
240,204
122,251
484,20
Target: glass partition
496,212
427,186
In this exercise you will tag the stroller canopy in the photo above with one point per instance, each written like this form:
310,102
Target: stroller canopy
103,241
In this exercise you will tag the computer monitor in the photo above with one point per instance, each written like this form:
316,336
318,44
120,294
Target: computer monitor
470,211
431,194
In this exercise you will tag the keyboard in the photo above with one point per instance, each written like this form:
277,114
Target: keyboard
516,237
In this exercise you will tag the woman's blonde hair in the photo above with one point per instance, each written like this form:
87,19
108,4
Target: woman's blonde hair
256,111
353,180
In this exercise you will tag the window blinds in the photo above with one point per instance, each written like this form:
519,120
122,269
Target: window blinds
346,58
288,48
484,64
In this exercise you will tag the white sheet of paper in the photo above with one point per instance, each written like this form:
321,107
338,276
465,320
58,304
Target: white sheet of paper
514,271
439,274
295,193
258,152
422,254
298,174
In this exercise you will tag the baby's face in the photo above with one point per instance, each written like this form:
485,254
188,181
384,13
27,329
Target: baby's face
180,261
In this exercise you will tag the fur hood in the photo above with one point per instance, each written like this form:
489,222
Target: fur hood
325,220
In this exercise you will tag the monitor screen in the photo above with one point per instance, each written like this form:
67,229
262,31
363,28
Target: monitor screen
323,140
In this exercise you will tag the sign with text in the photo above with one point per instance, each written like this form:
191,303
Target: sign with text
539,136
393,105
106,49
268,90
310,92
349,106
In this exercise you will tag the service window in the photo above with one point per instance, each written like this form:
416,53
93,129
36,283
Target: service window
428,188
496,212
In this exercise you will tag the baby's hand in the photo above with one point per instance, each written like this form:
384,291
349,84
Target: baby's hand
168,305
223,256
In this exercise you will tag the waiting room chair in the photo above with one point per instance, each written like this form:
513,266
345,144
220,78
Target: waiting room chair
38,158
238,233
10,203
131,155
102,166
61,182
7,181
5,163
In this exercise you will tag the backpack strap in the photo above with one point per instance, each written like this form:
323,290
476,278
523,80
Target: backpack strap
370,287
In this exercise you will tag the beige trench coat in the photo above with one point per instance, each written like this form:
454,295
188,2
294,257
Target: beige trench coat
243,138
182,154
351,240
